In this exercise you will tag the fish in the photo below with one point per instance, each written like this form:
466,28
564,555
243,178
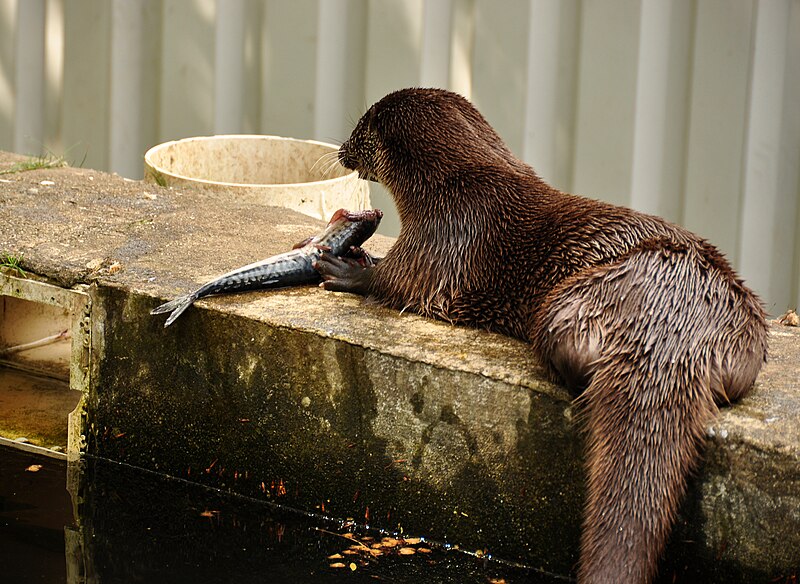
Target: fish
345,232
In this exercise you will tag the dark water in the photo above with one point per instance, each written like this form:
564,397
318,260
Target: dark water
35,508
137,526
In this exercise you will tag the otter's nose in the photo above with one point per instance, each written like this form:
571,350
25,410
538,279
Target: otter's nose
346,159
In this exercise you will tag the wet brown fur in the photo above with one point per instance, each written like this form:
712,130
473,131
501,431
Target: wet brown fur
644,318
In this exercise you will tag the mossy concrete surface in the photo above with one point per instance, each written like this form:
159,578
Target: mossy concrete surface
325,403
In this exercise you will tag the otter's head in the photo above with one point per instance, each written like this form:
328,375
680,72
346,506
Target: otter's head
358,152
418,136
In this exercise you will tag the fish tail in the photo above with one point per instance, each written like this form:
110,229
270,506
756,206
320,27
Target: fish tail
175,307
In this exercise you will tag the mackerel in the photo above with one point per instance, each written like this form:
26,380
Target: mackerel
345,230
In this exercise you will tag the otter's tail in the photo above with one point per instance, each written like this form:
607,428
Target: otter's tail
175,307
643,439
657,340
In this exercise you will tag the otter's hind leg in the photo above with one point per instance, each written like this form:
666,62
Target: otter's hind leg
646,337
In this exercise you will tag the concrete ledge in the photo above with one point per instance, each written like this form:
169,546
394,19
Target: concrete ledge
324,403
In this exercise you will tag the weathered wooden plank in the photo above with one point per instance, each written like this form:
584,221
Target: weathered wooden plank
8,102
662,89
604,128
135,49
341,65
252,52
499,77
289,68
462,42
718,110
187,69
393,46
551,88
29,130
54,77
229,67
87,68
768,207
437,20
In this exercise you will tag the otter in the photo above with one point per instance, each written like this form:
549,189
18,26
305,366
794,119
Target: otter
646,322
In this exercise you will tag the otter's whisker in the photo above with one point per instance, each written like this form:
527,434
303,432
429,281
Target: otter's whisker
331,168
324,159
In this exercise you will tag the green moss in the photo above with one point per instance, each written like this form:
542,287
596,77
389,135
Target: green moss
158,178
291,417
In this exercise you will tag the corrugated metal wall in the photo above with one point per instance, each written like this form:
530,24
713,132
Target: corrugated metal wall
687,108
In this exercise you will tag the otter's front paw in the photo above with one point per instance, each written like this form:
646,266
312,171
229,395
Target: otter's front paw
343,275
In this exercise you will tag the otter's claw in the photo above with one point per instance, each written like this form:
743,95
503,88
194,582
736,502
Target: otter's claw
362,256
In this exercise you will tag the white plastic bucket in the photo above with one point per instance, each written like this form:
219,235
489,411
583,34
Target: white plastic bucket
270,170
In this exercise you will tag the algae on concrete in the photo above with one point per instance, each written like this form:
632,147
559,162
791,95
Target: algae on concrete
321,401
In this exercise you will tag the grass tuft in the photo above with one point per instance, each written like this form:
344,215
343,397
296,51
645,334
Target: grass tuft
12,263
35,163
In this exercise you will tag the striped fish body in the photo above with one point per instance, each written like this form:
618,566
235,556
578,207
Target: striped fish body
292,268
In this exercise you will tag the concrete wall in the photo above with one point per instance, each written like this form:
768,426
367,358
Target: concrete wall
323,402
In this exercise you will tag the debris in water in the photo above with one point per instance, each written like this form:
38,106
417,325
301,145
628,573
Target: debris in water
34,468
387,545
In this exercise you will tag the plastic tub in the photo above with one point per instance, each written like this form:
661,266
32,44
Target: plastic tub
271,170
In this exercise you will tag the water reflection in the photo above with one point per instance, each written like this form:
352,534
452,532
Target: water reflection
126,525
35,510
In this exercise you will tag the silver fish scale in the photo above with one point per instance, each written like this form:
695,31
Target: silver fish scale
287,269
